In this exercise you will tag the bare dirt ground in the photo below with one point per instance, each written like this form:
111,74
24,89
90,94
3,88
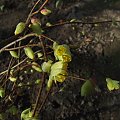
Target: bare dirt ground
97,57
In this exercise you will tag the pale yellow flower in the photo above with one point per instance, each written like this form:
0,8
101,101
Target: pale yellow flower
62,52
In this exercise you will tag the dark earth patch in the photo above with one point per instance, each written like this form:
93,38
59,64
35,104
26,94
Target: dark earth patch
97,56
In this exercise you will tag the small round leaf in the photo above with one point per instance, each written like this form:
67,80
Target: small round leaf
19,28
14,54
2,92
12,79
46,66
36,67
87,88
29,52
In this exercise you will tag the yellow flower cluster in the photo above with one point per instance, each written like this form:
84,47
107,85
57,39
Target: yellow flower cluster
58,71
62,52
112,84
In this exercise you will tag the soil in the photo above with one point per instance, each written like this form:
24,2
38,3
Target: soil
97,56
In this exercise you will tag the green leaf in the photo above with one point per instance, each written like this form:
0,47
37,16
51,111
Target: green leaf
2,92
19,28
48,24
12,79
2,7
36,67
55,44
49,84
59,3
29,52
38,81
112,84
20,84
14,54
87,88
73,20
39,54
27,115
46,66
36,28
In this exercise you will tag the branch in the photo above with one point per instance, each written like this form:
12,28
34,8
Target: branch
39,95
18,40
80,22
40,8
27,21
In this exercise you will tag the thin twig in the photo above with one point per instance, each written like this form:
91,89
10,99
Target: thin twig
17,87
2,78
44,36
40,8
78,78
20,63
39,94
8,72
48,92
9,67
27,21
43,79
16,48
18,40
79,22
14,66
43,48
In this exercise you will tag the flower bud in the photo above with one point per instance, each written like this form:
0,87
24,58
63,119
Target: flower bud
45,11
